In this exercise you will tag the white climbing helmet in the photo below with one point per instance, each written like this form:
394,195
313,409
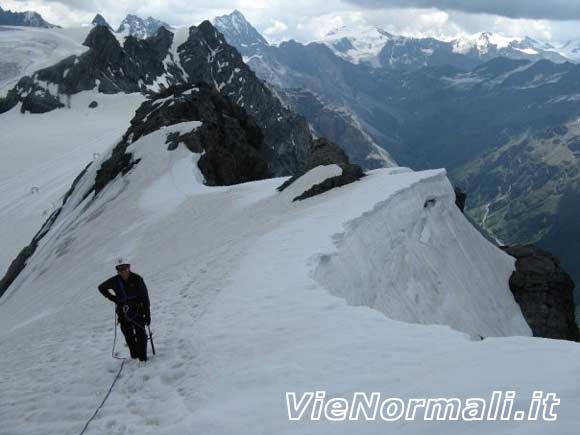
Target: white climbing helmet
122,261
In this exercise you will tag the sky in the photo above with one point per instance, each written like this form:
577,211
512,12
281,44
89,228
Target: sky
554,21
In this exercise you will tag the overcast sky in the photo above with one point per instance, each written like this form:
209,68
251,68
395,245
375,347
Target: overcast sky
305,20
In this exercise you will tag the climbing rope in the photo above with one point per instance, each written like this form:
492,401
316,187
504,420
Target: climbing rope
114,380
120,368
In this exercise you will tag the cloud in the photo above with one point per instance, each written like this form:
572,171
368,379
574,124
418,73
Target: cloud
559,10
276,28
307,20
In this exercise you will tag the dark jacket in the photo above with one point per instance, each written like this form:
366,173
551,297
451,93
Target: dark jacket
132,293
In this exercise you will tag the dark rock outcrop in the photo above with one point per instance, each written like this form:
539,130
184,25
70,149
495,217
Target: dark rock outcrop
230,140
99,20
544,292
206,56
107,66
338,126
34,98
460,199
323,153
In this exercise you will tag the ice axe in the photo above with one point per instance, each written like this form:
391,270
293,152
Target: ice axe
151,339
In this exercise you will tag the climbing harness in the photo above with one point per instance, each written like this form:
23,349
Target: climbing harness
130,319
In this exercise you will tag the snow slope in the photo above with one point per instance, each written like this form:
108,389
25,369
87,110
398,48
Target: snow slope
24,50
241,313
46,152
428,265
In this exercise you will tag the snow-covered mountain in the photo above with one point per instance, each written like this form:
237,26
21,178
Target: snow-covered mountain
254,294
106,67
570,50
240,33
327,116
326,280
357,45
379,48
139,27
148,65
28,19
487,45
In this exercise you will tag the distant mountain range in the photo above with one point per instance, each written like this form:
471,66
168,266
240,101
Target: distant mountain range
501,115
28,18
380,48
133,25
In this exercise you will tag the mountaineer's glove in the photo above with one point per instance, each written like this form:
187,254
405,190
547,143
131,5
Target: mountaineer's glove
147,318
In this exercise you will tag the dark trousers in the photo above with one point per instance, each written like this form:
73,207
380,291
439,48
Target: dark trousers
135,336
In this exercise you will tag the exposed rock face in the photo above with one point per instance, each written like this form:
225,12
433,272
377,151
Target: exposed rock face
326,153
230,140
460,198
34,97
106,66
338,125
544,292
99,20
286,135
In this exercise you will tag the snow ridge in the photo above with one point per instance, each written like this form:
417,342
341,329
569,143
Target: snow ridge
419,260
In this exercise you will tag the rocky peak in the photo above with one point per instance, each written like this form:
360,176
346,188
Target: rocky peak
238,31
102,40
99,20
156,46
141,28
206,56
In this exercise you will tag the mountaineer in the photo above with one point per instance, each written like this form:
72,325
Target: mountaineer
130,294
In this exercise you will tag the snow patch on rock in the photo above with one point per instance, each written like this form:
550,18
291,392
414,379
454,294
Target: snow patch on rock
311,178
